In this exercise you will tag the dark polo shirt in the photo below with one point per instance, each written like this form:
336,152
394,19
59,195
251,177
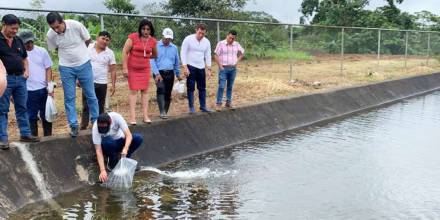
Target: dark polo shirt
12,56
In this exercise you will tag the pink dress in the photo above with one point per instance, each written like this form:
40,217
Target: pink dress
138,63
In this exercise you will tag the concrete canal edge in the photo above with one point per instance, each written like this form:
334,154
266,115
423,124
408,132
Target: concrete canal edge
69,163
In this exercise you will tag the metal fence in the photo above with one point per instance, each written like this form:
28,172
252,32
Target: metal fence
288,52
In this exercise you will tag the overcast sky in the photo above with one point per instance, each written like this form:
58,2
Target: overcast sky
284,10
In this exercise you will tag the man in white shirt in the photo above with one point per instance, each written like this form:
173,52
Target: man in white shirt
40,69
103,61
196,61
112,138
71,39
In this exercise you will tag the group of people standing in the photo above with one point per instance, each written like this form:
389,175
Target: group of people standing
26,70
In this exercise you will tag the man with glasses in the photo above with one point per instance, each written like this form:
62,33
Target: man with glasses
196,61
164,68
71,39
227,54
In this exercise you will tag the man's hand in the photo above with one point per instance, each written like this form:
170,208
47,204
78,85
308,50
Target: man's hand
124,152
209,73
112,90
185,71
51,94
103,176
26,74
125,73
158,78
220,67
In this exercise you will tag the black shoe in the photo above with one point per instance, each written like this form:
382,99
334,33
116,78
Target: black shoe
29,138
73,131
206,110
4,145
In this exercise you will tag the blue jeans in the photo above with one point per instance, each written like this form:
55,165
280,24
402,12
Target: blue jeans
198,76
17,89
84,74
36,103
113,148
226,77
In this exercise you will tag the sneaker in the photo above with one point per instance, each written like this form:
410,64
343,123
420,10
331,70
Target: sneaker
4,145
29,138
163,116
73,131
218,107
192,110
207,110
229,105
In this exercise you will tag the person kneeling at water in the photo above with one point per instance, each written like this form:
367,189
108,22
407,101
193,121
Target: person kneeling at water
112,138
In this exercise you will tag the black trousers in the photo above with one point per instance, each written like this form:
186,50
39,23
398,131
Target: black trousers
166,87
101,93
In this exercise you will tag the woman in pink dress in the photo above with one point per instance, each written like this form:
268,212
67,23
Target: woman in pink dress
138,50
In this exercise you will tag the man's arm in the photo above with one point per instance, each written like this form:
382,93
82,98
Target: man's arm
112,69
49,77
100,158
128,139
26,68
217,51
3,81
208,59
177,64
183,56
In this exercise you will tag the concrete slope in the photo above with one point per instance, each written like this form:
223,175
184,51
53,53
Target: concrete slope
69,163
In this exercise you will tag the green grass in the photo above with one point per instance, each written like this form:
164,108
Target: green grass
286,54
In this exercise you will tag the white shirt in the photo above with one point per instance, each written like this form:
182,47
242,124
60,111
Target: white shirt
72,50
116,131
39,61
196,53
100,63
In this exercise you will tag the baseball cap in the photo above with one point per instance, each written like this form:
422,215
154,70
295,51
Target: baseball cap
103,122
26,36
167,33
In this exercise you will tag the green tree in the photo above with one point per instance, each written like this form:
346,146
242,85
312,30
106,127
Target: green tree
121,6
204,8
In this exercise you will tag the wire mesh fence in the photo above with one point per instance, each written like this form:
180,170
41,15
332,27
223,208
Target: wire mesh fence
280,59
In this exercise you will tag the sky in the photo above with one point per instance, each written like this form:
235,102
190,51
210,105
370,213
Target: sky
284,10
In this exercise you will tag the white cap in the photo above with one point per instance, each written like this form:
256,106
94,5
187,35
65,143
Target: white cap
167,33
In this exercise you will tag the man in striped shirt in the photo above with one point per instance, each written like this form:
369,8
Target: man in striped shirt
227,54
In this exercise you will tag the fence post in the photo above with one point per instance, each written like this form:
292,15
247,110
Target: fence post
429,49
218,31
342,50
291,53
406,50
378,48
101,20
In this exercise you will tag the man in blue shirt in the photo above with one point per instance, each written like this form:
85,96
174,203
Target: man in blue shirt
164,68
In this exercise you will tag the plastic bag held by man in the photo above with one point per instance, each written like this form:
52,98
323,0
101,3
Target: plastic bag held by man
121,177
51,109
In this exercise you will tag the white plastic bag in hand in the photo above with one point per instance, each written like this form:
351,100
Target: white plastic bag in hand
51,109
179,87
121,177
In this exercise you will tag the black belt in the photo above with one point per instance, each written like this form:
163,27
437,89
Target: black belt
15,74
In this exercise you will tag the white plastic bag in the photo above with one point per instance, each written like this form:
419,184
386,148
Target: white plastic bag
51,108
179,86
121,177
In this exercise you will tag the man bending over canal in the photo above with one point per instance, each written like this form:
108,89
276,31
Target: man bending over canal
112,138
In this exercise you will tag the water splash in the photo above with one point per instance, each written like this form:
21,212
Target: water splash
33,170
189,174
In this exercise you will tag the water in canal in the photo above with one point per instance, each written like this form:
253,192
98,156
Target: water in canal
382,164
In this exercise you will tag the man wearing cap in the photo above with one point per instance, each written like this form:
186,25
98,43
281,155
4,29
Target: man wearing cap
112,138
71,38
40,74
14,57
165,67
103,61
